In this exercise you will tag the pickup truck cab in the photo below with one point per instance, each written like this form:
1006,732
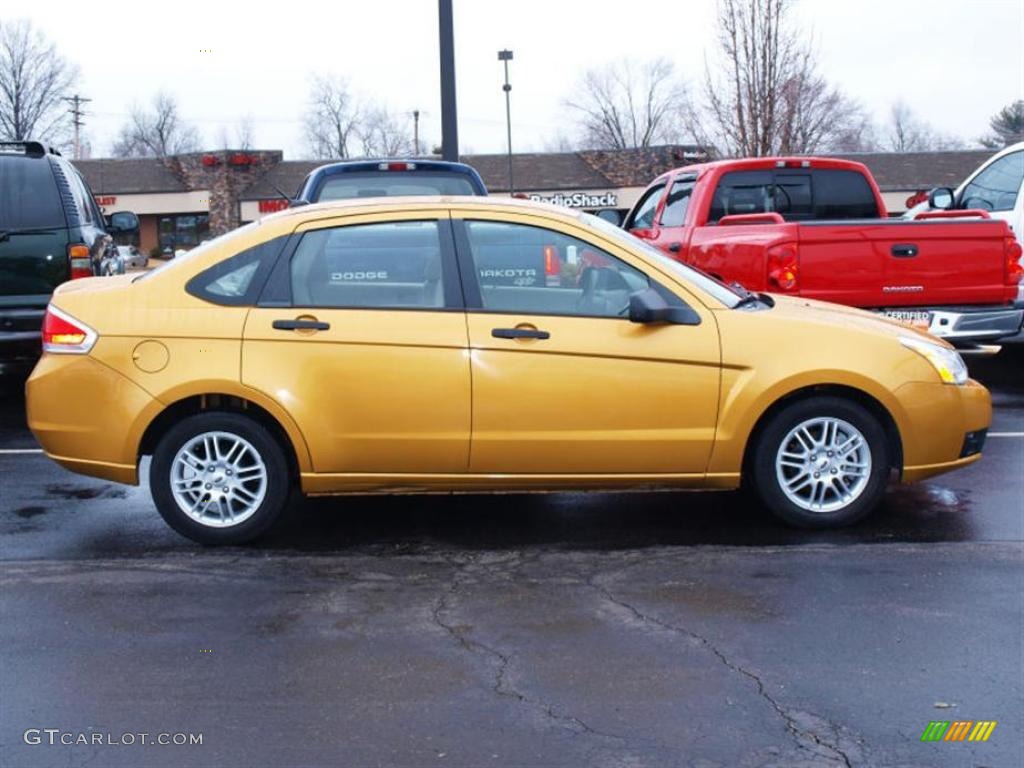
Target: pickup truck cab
817,228
51,231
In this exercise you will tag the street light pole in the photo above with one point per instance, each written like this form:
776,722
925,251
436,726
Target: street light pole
449,126
506,56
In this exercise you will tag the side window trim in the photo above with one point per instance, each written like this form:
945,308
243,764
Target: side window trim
471,283
277,290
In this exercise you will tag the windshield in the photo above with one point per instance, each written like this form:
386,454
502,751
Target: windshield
203,247
705,282
345,186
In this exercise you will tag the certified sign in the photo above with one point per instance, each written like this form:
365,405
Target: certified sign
578,199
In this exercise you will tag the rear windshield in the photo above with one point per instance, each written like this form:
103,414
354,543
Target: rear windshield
345,186
28,195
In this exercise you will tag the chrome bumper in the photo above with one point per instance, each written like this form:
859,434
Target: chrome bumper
970,325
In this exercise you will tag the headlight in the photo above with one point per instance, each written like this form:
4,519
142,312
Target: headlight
946,362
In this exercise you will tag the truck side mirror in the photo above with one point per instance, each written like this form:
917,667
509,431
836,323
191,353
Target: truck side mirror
611,215
941,198
122,222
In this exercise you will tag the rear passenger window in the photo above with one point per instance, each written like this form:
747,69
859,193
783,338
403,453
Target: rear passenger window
843,195
742,192
28,194
530,270
379,266
236,281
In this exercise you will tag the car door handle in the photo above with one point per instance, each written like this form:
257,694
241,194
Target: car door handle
674,247
300,325
904,250
519,333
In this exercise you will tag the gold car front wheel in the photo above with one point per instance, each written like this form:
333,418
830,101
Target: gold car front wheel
821,462
219,478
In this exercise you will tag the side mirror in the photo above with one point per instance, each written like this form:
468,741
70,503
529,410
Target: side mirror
122,222
941,198
611,215
649,306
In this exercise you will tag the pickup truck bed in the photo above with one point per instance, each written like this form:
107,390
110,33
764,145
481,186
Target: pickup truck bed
771,225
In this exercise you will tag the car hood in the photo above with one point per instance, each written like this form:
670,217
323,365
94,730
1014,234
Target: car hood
837,315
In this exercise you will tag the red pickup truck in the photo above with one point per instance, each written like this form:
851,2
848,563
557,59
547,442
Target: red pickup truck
818,228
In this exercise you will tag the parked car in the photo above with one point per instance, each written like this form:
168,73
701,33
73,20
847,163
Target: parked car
268,360
817,228
132,257
389,178
50,231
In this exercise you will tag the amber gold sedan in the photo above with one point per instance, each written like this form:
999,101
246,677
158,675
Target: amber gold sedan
469,344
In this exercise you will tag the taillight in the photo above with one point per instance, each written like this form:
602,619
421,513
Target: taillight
552,266
1014,270
396,166
783,267
81,263
64,334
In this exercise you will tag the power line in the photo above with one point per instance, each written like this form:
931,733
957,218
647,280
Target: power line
76,103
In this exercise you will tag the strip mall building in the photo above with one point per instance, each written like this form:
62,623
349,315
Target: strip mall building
185,199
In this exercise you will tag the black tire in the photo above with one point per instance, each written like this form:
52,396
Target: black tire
278,490
766,483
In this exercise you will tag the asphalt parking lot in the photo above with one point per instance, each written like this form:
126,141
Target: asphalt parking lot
655,629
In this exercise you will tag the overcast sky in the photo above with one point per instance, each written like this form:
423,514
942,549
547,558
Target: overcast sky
953,62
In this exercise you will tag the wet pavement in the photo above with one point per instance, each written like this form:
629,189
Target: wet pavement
654,629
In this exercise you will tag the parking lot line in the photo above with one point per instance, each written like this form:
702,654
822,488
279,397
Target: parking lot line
1006,434
20,450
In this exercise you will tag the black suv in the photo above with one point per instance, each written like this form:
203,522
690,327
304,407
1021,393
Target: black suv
50,231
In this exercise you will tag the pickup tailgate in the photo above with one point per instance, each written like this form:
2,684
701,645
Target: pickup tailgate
880,263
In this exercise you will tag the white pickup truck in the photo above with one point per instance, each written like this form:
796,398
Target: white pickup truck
997,186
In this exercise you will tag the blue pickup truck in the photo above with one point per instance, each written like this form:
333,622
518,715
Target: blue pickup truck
529,262
389,178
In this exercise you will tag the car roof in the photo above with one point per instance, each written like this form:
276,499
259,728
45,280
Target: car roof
423,202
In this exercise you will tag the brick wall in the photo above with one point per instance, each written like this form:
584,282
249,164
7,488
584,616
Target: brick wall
226,173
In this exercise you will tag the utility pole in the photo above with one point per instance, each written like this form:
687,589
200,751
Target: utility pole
416,133
506,56
449,115
76,103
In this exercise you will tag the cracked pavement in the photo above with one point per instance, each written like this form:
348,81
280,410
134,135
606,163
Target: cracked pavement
660,629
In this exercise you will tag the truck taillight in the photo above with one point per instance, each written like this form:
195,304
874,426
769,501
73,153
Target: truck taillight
783,267
1014,270
552,266
80,261
64,334
396,166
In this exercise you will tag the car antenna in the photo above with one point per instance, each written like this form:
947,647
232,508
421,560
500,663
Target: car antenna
294,202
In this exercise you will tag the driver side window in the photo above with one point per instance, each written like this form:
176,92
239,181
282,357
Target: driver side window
531,270
996,188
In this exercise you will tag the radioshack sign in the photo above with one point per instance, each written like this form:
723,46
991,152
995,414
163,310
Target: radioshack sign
578,199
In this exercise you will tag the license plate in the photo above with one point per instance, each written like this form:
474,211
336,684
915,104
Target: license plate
913,318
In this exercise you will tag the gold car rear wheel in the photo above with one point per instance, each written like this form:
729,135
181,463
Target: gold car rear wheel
219,478
821,462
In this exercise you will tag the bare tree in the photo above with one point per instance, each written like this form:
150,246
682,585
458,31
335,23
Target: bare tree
238,138
383,134
1007,126
157,133
629,104
332,119
766,95
905,132
34,79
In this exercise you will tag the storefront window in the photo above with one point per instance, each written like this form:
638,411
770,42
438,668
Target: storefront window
183,231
